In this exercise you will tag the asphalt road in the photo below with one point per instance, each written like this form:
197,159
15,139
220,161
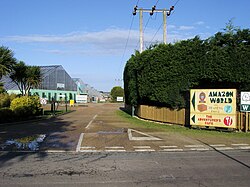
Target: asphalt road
209,168
94,147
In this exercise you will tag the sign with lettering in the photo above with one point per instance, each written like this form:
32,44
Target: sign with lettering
245,101
213,107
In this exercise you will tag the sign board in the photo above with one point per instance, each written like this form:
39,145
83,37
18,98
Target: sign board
43,101
60,86
119,99
213,107
81,98
71,103
245,101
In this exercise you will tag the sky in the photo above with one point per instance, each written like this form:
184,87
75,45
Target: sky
93,39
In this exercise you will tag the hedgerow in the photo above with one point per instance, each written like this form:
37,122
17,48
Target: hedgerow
163,74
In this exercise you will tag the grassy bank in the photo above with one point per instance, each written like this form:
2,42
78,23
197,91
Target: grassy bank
168,128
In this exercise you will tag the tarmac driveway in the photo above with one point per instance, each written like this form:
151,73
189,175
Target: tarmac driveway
97,128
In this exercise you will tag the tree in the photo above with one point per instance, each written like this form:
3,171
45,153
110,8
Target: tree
26,77
116,91
2,90
7,61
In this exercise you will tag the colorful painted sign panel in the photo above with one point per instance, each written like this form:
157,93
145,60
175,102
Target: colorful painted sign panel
213,107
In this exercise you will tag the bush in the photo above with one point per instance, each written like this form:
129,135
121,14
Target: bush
4,100
25,106
6,115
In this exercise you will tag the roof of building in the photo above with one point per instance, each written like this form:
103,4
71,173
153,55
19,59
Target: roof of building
45,71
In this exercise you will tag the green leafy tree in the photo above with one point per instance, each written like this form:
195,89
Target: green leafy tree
117,91
7,61
26,77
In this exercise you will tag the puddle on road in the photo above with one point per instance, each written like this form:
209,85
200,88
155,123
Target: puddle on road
28,143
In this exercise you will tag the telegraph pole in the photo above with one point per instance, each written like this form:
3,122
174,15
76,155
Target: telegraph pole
141,31
165,13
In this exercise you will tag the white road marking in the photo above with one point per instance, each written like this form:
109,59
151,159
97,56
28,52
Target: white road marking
115,150
91,122
200,149
240,144
172,150
89,151
168,146
223,148
193,146
217,145
79,142
87,147
144,150
244,147
148,137
115,147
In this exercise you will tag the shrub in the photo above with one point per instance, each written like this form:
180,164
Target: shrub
25,106
4,100
6,115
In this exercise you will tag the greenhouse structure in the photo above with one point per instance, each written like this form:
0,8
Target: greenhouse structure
56,84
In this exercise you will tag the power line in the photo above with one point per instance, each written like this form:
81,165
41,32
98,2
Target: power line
126,44
156,33
175,6
156,2
128,37
176,2
137,2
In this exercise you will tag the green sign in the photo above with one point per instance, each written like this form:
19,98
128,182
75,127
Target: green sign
244,108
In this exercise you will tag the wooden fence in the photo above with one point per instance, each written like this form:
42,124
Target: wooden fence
181,117
161,114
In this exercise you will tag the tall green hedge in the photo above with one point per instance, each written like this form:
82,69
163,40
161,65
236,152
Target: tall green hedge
163,74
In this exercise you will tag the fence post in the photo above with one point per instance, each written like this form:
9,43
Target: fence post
247,122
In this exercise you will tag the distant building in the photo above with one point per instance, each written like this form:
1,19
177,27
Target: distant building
56,84
81,86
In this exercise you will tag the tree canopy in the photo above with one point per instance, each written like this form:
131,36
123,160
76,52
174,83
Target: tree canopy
163,74
117,91
26,77
7,61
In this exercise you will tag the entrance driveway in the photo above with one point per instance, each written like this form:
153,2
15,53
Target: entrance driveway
97,128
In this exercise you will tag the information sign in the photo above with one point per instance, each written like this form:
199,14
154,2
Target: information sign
245,101
213,107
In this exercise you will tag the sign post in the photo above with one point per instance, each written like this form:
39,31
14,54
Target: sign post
245,106
213,107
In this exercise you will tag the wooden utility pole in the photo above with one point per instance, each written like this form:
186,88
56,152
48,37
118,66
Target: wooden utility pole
165,13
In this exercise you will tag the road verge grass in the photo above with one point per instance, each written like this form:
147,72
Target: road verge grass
170,128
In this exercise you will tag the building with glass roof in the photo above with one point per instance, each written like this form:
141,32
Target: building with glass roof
56,84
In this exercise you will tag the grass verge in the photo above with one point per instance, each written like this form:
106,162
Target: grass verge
168,128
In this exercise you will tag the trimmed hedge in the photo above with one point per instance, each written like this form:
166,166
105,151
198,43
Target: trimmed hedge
163,74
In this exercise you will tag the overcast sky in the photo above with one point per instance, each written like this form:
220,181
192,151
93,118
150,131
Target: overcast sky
92,40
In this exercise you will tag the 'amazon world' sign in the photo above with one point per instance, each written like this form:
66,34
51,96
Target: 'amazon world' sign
213,107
